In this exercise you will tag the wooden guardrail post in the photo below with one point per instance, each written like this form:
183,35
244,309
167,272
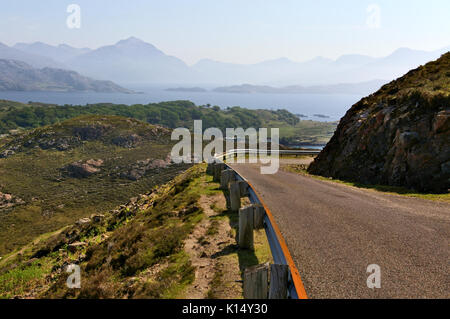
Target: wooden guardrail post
246,227
243,188
258,217
256,283
210,169
235,196
226,177
218,168
279,276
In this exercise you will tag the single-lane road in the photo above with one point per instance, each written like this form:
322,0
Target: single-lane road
335,231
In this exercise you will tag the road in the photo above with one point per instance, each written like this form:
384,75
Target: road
334,232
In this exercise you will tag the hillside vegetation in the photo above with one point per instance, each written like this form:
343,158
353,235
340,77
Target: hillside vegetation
52,175
172,114
398,136
177,240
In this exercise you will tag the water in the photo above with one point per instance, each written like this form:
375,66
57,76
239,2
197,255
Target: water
333,106
313,147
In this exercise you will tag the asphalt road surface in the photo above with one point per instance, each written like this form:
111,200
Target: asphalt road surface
334,232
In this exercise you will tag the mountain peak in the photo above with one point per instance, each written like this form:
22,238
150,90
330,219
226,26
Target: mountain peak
131,40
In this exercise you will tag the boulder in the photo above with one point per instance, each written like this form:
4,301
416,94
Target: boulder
97,218
83,221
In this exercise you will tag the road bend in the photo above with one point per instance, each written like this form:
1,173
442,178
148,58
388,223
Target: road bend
334,232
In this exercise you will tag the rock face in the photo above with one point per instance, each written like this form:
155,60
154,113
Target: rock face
84,169
399,136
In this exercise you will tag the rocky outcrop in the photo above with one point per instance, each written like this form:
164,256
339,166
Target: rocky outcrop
82,169
91,131
71,236
398,136
8,201
127,141
73,133
140,168
6,153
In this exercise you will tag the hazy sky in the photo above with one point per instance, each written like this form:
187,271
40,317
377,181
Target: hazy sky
240,31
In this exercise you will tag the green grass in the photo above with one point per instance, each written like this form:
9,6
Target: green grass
177,277
18,280
307,132
142,239
54,199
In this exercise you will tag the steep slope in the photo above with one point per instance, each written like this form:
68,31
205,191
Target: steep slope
176,240
76,168
19,76
132,251
398,136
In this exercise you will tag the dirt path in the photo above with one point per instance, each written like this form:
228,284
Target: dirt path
207,241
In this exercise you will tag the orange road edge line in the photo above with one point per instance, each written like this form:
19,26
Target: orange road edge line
298,283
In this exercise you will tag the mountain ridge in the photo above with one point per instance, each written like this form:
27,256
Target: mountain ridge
19,76
135,61
60,53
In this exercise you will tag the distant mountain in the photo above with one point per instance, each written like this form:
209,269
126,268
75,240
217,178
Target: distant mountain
135,61
34,60
60,53
132,61
395,65
20,76
354,60
352,68
343,88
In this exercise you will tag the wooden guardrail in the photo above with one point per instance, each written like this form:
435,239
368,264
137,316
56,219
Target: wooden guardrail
285,281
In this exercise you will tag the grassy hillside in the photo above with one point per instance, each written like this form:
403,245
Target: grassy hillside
173,114
306,132
176,241
57,174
